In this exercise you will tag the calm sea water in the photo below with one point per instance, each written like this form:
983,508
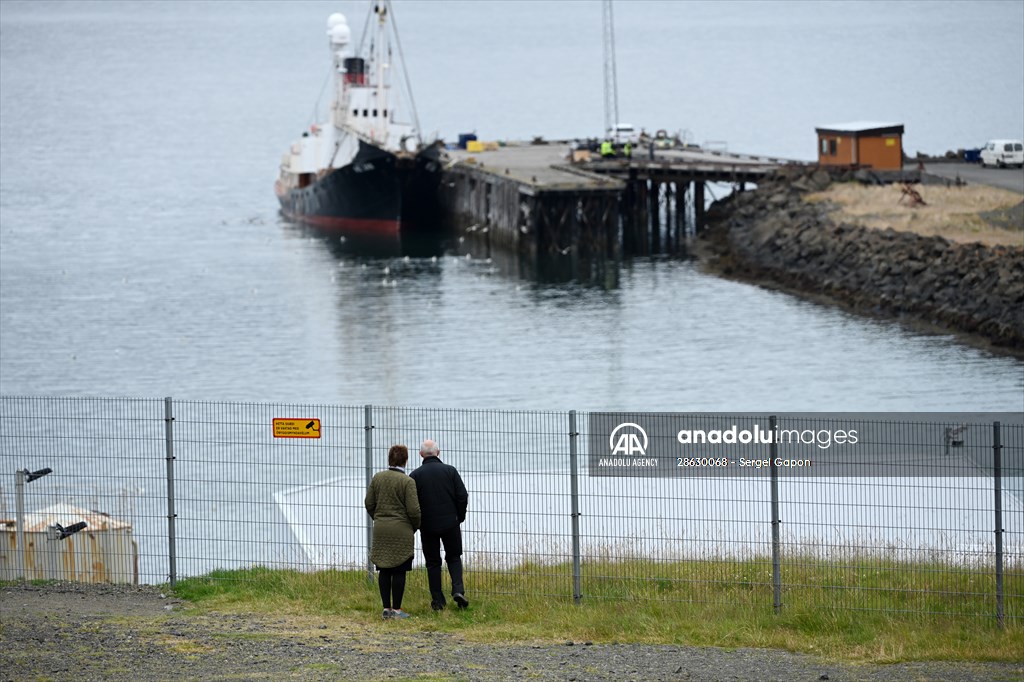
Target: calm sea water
141,252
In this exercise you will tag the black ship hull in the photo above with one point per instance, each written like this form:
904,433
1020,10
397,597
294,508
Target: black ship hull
378,195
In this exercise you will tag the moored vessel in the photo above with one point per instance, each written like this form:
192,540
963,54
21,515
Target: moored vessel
364,172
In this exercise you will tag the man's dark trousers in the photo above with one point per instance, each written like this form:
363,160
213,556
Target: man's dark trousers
452,539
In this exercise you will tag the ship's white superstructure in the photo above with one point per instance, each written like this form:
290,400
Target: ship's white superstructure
364,104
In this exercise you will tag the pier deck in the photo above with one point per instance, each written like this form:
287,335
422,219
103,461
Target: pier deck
533,201
541,167
548,166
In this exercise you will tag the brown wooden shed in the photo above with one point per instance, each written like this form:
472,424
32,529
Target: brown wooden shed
104,552
862,143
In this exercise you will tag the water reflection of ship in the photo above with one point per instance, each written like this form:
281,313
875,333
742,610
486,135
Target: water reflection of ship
426,245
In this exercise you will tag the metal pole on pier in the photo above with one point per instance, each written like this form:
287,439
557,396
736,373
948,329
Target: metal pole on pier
611,87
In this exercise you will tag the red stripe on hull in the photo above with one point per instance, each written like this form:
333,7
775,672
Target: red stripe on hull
352,226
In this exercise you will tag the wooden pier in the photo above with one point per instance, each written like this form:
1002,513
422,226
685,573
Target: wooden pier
577,220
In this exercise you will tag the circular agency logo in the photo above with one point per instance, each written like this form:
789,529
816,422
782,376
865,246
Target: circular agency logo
631,441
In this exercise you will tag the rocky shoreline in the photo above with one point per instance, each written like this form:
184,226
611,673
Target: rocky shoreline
772,236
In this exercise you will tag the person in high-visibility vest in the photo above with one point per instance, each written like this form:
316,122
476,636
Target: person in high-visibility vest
627,150
606,149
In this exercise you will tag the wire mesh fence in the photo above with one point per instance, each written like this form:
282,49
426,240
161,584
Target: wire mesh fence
925,515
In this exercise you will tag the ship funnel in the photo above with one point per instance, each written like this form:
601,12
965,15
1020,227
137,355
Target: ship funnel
355,70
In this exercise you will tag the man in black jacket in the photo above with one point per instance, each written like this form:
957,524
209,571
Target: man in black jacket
443,502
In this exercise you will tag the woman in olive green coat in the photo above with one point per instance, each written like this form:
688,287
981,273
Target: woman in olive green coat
392,503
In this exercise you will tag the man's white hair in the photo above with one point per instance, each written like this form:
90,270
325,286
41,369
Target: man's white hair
429,448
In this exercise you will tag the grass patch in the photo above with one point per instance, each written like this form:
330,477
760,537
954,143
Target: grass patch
182,645
36,582
245,636
323,667
866,611
956,213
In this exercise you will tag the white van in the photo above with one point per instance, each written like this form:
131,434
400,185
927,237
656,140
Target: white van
1003,153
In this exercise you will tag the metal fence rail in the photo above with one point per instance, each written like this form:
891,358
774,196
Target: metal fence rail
171,489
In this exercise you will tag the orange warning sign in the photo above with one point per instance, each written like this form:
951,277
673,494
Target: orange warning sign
296,428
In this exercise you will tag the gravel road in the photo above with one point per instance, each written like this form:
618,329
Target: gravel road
975,174
82,632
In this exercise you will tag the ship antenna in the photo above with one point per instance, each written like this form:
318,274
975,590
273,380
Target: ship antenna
362,37
316,107
405,74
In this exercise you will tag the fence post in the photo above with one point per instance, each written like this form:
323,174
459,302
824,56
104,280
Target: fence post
997,448
172,557
574,489
19,521
368,428
773,450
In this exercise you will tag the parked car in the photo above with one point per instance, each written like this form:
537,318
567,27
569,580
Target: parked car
662,140
1002,153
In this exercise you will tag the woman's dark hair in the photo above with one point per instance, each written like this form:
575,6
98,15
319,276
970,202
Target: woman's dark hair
398,455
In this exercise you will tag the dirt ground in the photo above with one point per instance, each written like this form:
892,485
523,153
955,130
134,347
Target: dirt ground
82,632
975,213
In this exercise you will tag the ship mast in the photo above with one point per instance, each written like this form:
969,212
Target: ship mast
379,127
